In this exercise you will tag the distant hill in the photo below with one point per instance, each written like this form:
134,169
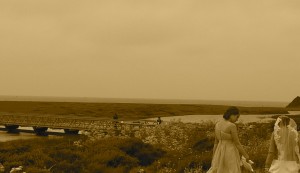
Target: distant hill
295,103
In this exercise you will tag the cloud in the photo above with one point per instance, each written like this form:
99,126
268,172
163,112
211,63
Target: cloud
147,43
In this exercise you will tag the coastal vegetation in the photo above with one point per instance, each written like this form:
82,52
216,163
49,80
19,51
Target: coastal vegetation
170,147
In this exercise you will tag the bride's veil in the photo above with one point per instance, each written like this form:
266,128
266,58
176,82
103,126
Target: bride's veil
286,139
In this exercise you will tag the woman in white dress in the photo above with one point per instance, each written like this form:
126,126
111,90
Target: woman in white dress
283,155
227,148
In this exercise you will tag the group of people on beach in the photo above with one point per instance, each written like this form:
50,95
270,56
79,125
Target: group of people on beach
283,155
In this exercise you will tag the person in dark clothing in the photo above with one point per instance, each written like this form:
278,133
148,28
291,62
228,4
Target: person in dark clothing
115,117
159,121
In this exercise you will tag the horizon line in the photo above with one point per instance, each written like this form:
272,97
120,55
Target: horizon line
123,98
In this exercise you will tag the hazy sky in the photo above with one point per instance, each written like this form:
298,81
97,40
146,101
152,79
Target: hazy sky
172,49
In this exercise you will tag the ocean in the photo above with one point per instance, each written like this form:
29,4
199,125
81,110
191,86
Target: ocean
146,101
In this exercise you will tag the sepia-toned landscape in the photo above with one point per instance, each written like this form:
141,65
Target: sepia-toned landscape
149,86
171,146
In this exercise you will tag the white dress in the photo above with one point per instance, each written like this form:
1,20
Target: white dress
281,166
286,141
226,157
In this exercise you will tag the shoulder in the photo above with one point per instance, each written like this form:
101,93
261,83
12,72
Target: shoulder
218,123
232,126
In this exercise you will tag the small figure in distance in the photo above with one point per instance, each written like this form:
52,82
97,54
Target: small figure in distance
115,117
159,121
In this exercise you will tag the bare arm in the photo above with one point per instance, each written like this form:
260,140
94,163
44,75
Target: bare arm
215,145
271,153
298,144
235,138
298,141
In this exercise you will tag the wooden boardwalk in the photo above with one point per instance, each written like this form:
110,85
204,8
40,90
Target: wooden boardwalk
71,124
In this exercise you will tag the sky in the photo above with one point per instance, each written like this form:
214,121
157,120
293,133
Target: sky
158,49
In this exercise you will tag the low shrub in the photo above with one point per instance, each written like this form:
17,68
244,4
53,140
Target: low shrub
145,153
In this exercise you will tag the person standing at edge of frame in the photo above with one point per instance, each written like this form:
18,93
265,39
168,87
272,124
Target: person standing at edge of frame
283,155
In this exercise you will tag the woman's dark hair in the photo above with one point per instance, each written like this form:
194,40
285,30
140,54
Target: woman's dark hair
285,120
231,111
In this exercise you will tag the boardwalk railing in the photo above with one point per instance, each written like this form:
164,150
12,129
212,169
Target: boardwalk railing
71,122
